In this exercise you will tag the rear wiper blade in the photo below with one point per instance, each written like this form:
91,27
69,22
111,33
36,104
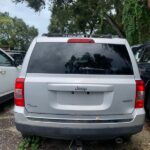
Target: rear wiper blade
92,69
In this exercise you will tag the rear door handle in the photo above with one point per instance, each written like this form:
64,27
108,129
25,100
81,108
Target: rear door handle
80,87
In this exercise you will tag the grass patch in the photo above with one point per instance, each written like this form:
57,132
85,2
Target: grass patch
30,143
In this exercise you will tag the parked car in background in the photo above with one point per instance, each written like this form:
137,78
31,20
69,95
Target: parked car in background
79,88
18,56
135,48
8,74
142,56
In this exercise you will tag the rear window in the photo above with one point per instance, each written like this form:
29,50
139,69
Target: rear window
80,58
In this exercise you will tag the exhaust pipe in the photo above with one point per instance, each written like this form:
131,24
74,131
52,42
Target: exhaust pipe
119,140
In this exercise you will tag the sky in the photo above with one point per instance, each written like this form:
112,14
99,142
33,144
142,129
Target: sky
38,19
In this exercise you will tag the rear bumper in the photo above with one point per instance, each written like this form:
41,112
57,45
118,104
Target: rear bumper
72,133
80,130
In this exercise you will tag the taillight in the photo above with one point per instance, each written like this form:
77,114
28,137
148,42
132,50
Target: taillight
19,92
79,40
140,88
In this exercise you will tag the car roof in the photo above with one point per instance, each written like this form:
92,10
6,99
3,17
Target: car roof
97,40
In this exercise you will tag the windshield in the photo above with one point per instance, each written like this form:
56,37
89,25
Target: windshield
79,58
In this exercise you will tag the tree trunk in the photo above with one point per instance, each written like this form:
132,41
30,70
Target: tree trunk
148,4
115,26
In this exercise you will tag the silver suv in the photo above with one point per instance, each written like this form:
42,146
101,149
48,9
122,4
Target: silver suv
79,88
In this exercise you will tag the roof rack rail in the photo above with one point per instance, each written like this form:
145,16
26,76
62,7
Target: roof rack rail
62,35
105,36
80,35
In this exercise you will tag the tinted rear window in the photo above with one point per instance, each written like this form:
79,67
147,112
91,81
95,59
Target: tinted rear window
80,58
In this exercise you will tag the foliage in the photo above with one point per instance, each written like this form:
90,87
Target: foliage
35,4
60,11
29,143
136,20
15,33
130,18
79,17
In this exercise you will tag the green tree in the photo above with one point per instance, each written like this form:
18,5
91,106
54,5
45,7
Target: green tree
35,4
15,33
78,16
136,20
60,18
148,4
85,18
127,18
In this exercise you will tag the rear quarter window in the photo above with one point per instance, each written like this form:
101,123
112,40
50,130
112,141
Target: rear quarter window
80,58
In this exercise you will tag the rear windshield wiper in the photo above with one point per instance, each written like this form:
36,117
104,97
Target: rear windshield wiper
92,69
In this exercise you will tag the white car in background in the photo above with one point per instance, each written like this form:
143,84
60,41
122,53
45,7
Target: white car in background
9,71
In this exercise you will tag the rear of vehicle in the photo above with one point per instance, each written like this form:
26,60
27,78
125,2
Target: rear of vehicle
79,88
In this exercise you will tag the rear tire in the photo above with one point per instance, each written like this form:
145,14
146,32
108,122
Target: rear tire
127,138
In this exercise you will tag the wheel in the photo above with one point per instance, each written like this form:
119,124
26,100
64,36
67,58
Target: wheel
127,138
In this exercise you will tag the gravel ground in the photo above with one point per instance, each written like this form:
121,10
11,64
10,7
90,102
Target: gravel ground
10,138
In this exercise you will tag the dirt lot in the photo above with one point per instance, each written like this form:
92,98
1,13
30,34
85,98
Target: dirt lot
11,139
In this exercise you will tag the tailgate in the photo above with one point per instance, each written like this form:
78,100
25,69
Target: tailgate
52,94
